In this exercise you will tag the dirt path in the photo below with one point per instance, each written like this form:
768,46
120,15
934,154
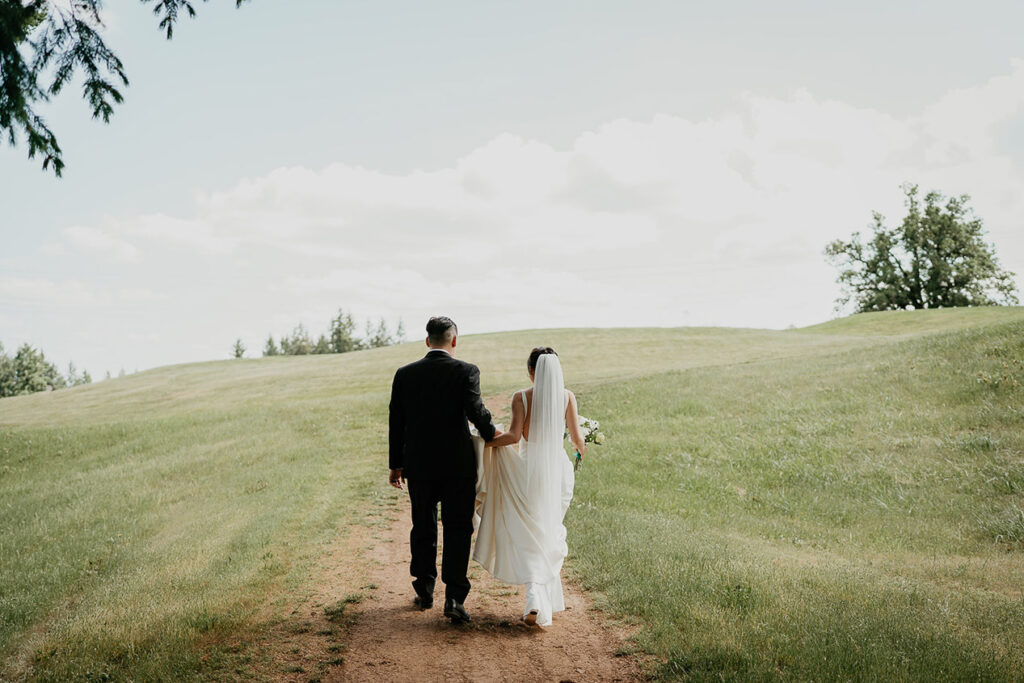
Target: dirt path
496,647
359,624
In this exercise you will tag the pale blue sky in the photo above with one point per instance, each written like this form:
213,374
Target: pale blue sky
395,87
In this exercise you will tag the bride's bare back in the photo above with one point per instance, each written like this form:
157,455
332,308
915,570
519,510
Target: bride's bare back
520,427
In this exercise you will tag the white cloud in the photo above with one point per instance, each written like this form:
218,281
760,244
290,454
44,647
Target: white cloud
198,234
95,240
963,123
17,291
42,292
662,221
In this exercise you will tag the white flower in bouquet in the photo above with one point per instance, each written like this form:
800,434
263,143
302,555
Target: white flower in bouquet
589,428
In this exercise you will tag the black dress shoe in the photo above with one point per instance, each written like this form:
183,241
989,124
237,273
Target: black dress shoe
456,612
423,601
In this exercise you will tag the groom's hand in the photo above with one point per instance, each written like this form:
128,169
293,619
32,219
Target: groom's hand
497,433
395,478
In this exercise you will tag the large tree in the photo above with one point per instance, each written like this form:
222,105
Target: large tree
937,257
44,45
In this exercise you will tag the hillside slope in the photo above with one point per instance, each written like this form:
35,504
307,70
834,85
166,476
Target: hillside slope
838,501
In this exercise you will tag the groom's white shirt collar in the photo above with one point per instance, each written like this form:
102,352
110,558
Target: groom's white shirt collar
441,350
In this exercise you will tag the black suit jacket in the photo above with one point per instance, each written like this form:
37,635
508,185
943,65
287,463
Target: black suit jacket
431,399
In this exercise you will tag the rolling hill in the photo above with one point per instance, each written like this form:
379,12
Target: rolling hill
839,501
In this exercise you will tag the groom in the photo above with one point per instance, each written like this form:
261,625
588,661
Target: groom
430,448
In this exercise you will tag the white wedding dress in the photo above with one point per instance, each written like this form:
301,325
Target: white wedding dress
522,496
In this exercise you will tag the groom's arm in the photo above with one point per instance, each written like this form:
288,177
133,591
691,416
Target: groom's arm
396,428
475,410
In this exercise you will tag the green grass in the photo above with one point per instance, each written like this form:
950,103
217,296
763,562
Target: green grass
896,323
841,501
851,515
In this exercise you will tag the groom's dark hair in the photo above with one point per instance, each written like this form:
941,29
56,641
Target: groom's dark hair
440,330
531,362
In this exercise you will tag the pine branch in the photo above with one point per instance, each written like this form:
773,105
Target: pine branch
60,43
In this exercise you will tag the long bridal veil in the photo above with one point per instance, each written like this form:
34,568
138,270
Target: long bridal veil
547,464
523,496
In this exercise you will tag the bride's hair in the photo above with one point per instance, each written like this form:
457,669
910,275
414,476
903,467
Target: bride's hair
531,362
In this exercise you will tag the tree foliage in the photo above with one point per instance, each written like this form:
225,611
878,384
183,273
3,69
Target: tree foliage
28,371
44,46
935,258
75,379
7,379
343,333
298,344
238,350
270,348
379,335
341,337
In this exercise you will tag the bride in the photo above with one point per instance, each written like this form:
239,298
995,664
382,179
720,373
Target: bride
527,490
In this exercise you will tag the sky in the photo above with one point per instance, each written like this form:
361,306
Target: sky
515,165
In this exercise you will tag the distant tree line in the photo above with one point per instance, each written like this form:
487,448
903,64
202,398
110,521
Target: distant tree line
340,337
28,371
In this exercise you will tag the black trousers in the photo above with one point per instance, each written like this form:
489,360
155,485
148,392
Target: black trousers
456,497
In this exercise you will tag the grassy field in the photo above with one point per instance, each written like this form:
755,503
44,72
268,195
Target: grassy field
844,501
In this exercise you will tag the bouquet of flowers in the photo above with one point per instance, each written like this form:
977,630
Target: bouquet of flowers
591,434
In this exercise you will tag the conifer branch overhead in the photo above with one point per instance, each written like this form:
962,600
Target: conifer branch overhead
43,47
